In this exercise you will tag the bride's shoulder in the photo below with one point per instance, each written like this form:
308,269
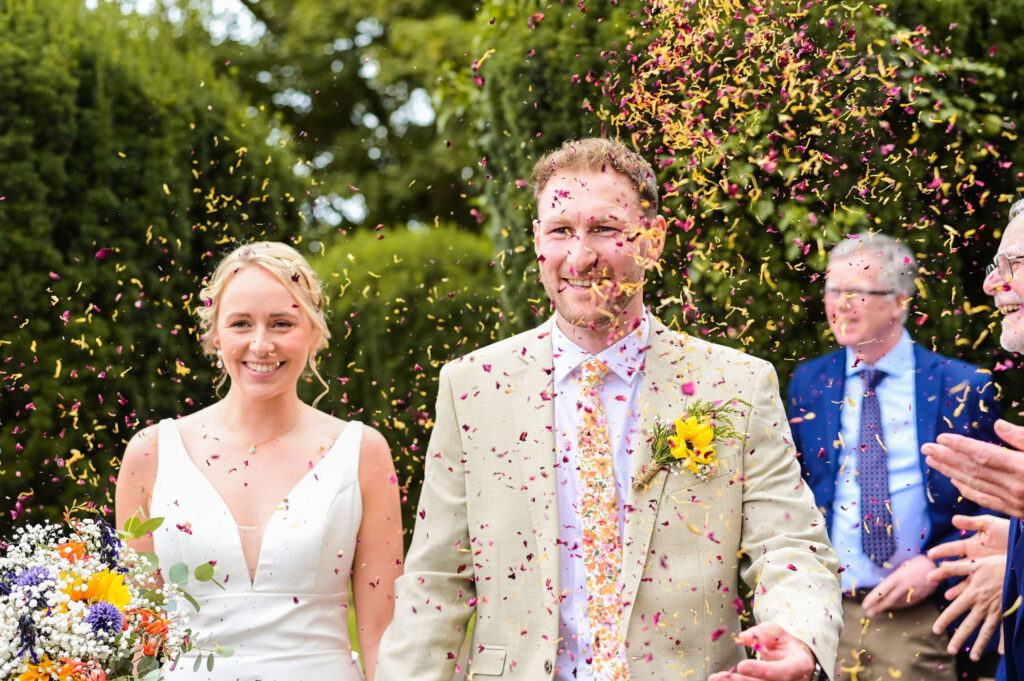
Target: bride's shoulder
143,442
139,462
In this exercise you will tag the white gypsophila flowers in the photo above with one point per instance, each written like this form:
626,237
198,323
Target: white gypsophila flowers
75,595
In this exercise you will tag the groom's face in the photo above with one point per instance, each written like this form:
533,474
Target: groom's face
593,246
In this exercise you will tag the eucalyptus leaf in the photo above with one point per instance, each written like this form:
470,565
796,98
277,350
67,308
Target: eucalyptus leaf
225,651
209,663
148,664
178,574
152,562
152,676
199,661
204,572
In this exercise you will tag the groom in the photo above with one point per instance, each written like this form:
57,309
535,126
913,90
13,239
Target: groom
544,512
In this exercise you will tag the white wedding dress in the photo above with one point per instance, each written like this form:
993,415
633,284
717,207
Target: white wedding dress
289,623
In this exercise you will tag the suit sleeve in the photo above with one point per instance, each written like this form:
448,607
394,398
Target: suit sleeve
434,597
787,558
985,409
793,402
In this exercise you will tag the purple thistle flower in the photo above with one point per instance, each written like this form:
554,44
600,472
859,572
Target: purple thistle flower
105,618
33,576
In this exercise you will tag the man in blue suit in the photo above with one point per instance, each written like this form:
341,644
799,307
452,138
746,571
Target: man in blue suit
859,416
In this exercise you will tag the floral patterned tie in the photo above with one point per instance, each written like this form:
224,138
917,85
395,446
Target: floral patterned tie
877,538
599,521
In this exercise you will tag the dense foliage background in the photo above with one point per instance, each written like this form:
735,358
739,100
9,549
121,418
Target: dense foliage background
391,142
126,166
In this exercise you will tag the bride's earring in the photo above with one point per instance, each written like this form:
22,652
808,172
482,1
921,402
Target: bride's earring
220,359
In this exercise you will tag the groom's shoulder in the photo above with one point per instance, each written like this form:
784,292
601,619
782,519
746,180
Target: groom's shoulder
527,346
680,347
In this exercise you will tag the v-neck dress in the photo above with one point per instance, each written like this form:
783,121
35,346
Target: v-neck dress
290,621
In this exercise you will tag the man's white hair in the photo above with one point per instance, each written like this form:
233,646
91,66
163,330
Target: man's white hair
896,263
1016,208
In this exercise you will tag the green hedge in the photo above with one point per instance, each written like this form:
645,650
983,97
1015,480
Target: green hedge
401,304
125,166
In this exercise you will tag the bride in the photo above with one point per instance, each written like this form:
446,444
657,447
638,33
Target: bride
289,504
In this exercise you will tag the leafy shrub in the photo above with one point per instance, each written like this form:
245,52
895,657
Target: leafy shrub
402,303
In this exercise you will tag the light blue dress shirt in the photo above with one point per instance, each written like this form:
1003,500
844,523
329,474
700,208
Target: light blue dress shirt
620,395
907,494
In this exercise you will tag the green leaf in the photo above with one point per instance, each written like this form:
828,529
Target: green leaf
149,526
152,562
135,527
155,597
199,661
148,664
204,572
188,597
131,526
209,663
152,676
178,574
225,651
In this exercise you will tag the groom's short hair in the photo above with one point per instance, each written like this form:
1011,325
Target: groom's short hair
596,154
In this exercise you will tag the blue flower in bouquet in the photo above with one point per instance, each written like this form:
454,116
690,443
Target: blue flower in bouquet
105,618
33,576
73,601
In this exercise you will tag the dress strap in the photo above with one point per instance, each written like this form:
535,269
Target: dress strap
341,462
173,460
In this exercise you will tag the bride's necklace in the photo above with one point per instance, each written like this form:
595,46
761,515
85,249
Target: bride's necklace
254,445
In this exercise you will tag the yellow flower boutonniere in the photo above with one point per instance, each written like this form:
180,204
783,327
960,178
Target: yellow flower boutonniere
689,442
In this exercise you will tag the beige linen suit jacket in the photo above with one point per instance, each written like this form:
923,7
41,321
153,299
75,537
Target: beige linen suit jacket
487,525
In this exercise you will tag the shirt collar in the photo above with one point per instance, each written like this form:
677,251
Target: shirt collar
897,362
625,358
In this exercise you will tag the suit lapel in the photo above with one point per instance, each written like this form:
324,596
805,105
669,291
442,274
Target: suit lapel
928,393
660,397
534,420
832,396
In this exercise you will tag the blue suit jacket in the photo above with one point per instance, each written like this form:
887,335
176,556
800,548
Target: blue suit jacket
952,397
1013,624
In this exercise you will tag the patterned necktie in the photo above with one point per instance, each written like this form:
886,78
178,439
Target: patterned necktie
876,534
599,522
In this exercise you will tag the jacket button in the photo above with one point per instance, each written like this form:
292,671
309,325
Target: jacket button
548,666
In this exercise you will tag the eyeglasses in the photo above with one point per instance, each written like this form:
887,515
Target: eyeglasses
1004,264
847,294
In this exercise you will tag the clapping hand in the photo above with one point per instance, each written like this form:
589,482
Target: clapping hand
989,474
781,657
990,537
983,565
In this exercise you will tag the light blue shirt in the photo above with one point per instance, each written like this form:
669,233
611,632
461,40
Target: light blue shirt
908,501
620,396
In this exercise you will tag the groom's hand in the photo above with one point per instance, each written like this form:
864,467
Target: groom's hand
782,657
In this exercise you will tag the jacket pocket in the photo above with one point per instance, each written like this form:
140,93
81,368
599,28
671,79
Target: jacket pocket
488,661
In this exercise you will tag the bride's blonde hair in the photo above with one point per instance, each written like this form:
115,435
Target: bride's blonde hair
294,273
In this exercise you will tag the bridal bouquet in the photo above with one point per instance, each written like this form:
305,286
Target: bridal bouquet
72,607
